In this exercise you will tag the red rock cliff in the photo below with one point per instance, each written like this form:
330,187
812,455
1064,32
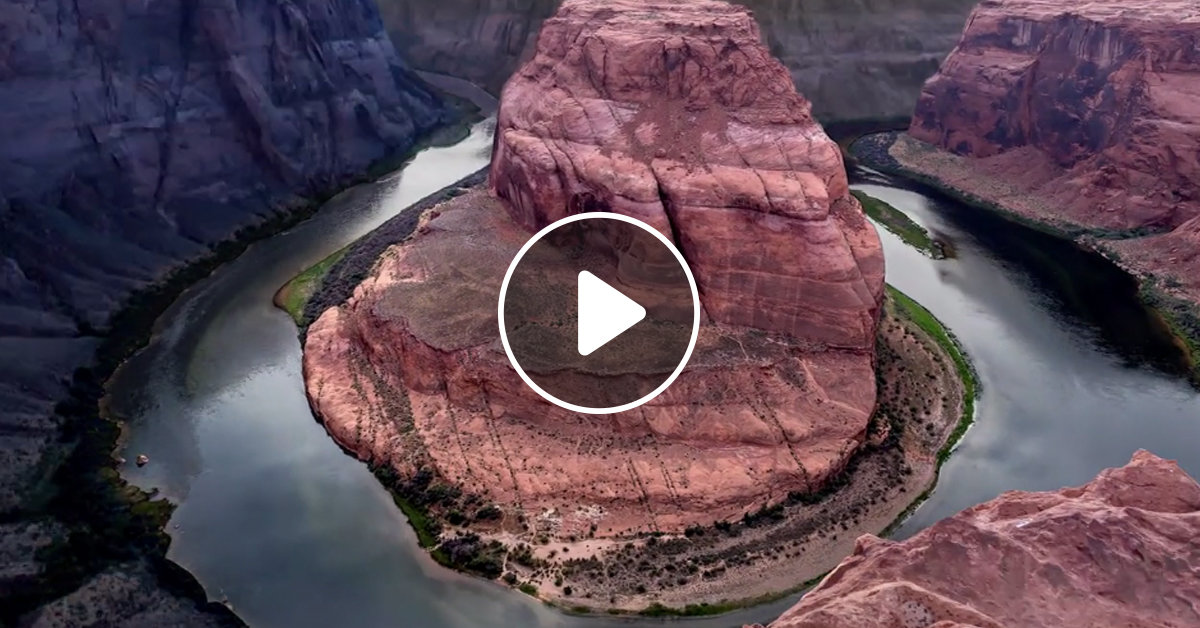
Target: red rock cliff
1121,550
676,113
1095,107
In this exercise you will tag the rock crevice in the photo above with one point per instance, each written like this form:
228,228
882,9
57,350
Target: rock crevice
695,130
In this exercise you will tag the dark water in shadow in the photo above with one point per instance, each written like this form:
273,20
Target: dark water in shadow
1077,374
275,518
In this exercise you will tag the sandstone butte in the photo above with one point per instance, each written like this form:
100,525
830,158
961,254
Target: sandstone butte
673,112
1121,550
1093,110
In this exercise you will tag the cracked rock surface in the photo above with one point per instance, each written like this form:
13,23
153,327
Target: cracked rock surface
675,113
1120,550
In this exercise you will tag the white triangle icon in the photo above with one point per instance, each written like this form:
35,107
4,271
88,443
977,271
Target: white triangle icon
604,313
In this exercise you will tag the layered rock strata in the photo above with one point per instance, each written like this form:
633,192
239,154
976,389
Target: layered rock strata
854,59
680,117
1120,550
1090,112
137,135
717,150
751,418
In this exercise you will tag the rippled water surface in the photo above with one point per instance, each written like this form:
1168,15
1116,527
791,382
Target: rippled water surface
277,520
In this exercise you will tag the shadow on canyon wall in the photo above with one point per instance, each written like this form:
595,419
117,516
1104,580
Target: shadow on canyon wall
854,59
143,143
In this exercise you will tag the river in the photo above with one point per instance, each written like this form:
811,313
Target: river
274,518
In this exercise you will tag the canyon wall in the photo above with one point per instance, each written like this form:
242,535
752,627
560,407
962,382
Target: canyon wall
686,122
136,135
1120,550
853,59
693,127
1092,112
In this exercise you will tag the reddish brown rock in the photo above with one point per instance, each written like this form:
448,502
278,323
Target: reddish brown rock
752,418
720,154
675,113
1092,109
1122,550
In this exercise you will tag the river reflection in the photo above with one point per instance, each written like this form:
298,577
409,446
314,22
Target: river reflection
277,520
1077,375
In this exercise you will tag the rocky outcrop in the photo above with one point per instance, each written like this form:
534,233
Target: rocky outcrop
1092,111
137,135
1120,550
680,117
710,143
751,419
852,58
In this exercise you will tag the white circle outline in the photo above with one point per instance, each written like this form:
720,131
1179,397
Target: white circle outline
695,312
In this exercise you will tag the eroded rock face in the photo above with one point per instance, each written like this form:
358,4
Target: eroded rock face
751,418
853,58
717,150
1095,106
676,114
1119,551
137,134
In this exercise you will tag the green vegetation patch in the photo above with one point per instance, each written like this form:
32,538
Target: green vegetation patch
905,307
691,610
1181,316
470,553
900,224
294,295
706,609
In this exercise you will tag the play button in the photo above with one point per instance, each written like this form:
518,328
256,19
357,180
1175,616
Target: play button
604,313
598,313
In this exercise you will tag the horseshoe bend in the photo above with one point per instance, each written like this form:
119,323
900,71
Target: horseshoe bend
816,405
607,311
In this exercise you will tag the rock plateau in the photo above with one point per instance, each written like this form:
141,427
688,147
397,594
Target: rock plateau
673,112
1121,550
853,59
1091,112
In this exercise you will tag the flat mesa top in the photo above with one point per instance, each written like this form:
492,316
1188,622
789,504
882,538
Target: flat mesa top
1180,12
634,20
